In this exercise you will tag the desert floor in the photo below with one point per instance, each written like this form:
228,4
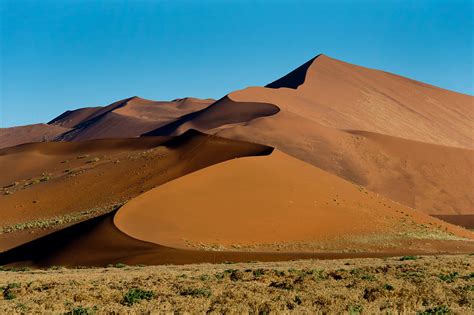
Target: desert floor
409,284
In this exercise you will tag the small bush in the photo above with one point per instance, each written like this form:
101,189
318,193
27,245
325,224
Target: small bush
388,287
258,272
438,310
450,277
196,292
8,294
408,258
368,277
82,311
281,285
136,295
204,277
355,309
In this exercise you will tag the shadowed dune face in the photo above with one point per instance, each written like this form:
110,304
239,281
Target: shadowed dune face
293,79
73,181
273,203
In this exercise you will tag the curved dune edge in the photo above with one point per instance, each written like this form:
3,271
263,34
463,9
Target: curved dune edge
276,203
223,112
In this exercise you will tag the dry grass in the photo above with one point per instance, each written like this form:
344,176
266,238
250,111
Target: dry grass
392,285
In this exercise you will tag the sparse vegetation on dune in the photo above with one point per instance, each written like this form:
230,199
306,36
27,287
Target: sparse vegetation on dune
425,285
55,222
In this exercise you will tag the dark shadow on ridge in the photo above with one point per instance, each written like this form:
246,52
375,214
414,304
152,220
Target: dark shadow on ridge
293,79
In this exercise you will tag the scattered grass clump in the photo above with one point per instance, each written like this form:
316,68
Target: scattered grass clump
8,293
409,257
281,285
204,277
96,159
196,292
258,273
117,265
368,277
450,277
388,287
136,295
83,311
354,309
438,310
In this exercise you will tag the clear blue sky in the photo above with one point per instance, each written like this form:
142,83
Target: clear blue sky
65,54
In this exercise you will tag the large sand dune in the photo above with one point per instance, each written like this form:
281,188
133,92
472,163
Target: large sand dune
404,139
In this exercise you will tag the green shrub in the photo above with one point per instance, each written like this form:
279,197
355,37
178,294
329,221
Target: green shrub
258,272
388,287
368,277
355,309
408,258
196,292
204,277
82,311
438,310
450,277
136,295
8,294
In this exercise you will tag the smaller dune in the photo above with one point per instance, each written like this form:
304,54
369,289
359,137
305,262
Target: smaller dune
275,203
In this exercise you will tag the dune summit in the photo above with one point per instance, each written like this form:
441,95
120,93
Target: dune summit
331,160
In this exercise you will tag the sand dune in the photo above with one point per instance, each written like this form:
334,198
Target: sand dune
275,203
123,119
362,156
75,180
395,136
30,133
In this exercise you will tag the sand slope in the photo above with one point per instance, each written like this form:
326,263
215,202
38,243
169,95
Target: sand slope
407,140
126,118
275,202
60,179
30,133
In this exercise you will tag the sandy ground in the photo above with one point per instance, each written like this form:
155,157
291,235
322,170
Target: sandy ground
390,285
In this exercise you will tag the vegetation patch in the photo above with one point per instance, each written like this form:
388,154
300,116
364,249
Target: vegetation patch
136,295
196,292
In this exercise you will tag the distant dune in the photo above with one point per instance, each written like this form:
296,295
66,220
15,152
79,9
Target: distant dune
126,118
30,133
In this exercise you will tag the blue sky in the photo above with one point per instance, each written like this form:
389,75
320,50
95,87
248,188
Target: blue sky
59,55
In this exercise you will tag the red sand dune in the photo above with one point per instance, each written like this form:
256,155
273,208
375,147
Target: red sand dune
408,143
219,205
339,117
30,133
123,119
126,118
45,180
274,202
